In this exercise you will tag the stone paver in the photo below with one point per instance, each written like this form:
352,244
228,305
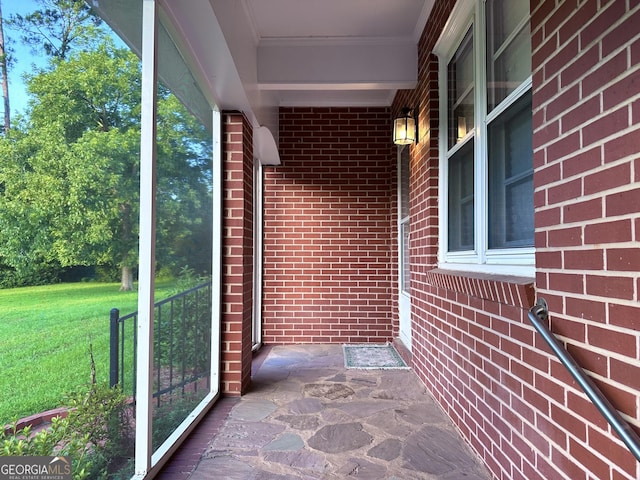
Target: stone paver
342,437
307,417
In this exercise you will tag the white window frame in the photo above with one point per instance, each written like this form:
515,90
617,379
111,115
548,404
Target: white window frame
514,261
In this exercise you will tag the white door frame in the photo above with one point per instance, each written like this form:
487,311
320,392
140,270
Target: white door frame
257,254
404,295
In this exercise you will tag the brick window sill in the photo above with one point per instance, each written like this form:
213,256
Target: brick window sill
504,289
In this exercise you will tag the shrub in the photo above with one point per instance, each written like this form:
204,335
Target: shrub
97,433
59,439
38,273
183,333
104,417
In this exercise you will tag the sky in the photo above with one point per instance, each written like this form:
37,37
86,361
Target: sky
23,58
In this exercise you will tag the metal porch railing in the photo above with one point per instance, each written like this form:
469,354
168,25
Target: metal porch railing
538,316
182,345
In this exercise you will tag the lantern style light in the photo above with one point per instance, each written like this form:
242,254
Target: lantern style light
404,128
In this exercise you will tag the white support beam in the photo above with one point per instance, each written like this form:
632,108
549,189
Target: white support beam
348,66
217,188
146,284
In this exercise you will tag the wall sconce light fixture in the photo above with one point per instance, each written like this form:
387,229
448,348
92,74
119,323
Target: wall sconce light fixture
405,127
462,128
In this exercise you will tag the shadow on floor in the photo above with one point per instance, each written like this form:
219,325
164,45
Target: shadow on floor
308,417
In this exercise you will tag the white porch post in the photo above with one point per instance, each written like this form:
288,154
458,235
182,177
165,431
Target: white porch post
257,252
216,253
143,448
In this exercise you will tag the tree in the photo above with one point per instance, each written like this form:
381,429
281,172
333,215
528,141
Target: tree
185,210
5,78
69,189
53,29
57,26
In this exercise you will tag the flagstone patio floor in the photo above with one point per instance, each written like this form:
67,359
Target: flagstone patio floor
308,417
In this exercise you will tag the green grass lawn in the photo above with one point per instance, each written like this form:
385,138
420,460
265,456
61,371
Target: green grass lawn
45,334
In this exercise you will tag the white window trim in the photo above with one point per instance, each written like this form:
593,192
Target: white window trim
516,261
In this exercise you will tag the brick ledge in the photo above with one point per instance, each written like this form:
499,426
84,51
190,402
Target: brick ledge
508,290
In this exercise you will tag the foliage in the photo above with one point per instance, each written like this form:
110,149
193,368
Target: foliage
104,418
68,187
97,434
184,218
59,439
183,331
33,273
57,26
188,278
69,180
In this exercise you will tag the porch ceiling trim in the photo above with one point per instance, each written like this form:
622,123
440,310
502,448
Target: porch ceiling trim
331,66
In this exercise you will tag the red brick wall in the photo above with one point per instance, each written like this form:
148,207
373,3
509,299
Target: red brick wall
473,345
237,264
586,78
329,228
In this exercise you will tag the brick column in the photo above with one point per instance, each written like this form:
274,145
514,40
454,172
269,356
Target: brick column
237,264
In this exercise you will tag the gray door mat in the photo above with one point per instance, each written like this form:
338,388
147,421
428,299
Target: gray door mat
372,356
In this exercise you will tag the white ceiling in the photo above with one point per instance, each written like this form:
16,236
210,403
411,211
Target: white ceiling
335,52
257,55
294,19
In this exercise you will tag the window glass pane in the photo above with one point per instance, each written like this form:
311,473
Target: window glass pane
460,91
405,274
404,183
406,270
511,177
461,199
184,225
508,48
504,17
